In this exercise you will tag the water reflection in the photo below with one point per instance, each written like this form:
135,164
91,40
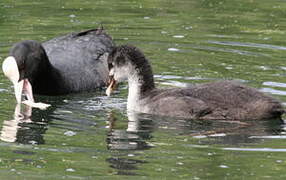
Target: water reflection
141,126
243,133
124,143
134,137
128,149
124,165
22,129
128,146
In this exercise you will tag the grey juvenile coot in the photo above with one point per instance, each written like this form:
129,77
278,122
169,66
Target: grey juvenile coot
216,100
70,63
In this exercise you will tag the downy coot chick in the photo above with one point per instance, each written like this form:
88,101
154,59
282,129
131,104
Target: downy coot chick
216,100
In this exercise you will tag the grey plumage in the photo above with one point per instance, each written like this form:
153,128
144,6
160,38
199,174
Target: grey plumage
216,100
71,63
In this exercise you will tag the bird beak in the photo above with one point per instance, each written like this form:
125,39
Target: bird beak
10,70
111,85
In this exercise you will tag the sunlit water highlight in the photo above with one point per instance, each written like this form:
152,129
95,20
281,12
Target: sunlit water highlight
91,136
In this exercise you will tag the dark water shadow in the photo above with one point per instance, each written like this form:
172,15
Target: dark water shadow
127,145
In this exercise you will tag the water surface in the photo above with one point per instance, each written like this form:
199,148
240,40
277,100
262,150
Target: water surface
90,136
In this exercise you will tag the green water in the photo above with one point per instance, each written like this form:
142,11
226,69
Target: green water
88,135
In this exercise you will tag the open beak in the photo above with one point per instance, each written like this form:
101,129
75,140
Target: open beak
21,85
111,85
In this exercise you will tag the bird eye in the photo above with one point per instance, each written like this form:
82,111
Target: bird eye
110,66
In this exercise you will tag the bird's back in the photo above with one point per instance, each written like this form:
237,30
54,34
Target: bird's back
80,58
216,100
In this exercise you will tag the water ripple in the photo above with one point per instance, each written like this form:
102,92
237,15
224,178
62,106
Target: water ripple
268,137
274,84
3,90
231,43
256,149
273,91
168,77
104,102
241,52
176,84
224,36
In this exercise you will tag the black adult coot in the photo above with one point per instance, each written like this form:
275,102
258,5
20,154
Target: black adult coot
217,100
71,63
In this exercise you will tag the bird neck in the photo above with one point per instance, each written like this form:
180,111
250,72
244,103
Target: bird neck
140,83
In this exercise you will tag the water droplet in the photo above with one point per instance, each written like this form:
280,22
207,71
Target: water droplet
264,67
173,49
218,135
178,36
33,142
70,133
223,166
70,170
200,136
189,28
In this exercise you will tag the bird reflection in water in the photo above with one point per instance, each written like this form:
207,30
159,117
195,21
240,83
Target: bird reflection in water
124,144
134,137
127,146
22,129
